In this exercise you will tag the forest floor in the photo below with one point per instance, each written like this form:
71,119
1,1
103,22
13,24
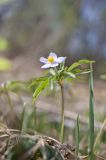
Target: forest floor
76,94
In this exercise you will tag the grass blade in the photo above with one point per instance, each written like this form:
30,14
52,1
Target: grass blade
77,137
91,116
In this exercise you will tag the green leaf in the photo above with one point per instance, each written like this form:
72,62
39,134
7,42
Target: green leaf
40,88
85,61
77,71
79,63
85,72
42,78
5,64
73,66
70,74
60,71
34,82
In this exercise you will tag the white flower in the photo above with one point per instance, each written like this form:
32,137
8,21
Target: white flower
52,60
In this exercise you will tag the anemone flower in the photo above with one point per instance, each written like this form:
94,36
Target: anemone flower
52,60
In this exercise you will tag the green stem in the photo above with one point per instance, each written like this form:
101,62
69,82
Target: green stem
62,112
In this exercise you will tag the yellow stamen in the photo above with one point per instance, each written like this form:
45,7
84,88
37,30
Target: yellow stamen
51,59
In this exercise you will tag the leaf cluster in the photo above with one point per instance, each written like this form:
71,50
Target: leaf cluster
57,75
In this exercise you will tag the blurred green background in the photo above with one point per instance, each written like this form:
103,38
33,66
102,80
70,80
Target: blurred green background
69,27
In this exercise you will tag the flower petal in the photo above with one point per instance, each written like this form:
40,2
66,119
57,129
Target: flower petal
61,59
48,65
43,60
52,54
54,64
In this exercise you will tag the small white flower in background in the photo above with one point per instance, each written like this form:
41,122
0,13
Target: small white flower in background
52,60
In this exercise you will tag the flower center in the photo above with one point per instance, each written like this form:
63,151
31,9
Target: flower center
50,59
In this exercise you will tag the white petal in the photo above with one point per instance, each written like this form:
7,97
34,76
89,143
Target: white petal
48,65
52,54
61,59
54,64
44,60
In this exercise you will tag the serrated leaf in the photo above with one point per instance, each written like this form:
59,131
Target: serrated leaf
35,82
40,88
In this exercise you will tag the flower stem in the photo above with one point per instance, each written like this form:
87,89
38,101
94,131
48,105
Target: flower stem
62,112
